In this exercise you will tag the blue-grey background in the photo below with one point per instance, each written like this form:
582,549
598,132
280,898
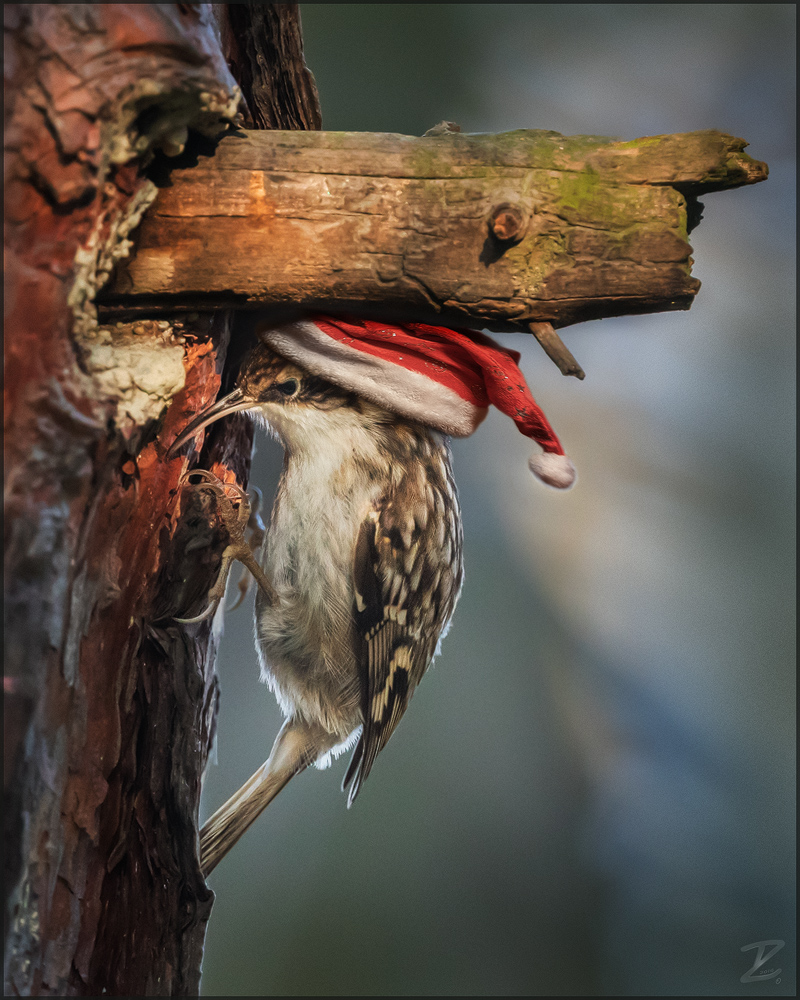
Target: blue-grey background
592,792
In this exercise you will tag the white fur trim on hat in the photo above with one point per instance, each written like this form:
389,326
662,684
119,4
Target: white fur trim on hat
555,470
408,393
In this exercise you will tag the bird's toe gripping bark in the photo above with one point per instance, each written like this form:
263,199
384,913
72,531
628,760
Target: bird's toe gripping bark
238,515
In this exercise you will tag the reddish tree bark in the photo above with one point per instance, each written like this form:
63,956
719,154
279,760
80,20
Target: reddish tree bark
110,706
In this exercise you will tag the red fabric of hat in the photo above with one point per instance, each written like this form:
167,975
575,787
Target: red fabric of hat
438,376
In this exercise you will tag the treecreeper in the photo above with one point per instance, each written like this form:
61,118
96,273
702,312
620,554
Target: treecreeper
361,567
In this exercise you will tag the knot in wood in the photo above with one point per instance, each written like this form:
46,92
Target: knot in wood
507,223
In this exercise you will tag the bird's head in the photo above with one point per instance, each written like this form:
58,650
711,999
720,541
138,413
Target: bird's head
299,408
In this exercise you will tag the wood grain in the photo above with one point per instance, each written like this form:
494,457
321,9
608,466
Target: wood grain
492,230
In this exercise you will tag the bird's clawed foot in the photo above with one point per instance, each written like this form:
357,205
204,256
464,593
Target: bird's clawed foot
257,532
238,515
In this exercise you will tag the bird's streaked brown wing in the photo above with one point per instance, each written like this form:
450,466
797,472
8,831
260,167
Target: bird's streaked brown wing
406,575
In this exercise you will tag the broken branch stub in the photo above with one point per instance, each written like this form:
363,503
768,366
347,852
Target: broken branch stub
498,231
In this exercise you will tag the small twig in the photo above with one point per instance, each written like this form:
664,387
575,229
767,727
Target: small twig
556,349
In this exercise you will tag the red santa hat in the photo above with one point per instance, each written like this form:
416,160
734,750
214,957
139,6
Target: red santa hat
436,376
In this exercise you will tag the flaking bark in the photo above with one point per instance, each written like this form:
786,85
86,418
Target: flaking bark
110,706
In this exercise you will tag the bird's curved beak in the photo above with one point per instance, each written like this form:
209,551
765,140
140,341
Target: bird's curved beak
232,403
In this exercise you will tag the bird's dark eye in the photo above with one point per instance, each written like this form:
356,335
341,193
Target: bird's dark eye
287,388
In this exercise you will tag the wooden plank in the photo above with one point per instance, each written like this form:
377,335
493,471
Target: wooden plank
490,230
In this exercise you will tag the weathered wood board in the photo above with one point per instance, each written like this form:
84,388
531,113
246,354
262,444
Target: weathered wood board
497,230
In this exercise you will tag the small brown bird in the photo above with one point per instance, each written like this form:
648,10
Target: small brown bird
363,554
361,566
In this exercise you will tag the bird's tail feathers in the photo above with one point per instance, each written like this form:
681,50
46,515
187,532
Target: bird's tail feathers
297,745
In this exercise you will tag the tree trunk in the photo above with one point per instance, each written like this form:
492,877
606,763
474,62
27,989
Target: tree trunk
109,705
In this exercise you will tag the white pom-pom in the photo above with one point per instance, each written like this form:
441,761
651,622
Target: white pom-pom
555,470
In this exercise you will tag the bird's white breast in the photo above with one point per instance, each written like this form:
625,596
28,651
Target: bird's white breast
306,641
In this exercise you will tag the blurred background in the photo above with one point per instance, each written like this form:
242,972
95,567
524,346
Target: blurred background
593,790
